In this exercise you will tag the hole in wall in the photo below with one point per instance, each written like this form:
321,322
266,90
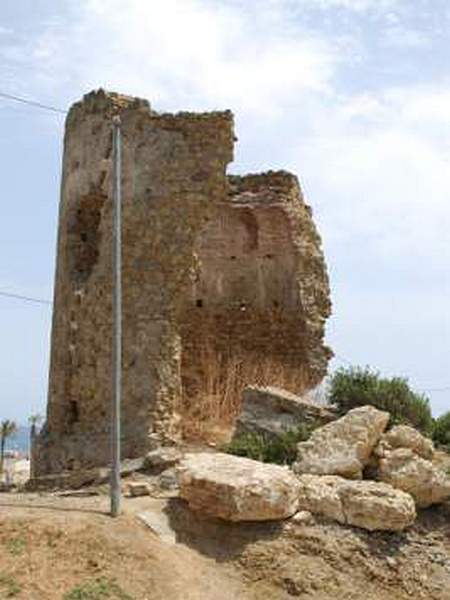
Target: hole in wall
199,303
250,222
84,235
74,415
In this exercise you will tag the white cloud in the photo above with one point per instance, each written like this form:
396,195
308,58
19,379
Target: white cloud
381,155
353,5
183,54
401,36
385,172
374,156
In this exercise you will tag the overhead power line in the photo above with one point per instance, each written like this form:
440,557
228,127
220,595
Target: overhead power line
33,103
25,298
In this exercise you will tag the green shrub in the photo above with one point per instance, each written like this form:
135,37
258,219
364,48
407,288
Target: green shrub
16,546
441,431
281,449
355,386
9,587
97,589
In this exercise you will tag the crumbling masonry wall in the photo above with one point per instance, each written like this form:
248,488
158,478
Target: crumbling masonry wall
256,308
225,267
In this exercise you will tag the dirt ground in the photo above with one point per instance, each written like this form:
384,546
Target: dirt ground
55,547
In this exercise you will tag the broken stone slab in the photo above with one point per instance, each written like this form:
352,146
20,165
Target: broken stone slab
83,477
237,489
367,504
272,411
162,458
405,470
138,488
403,436
342,447
159,523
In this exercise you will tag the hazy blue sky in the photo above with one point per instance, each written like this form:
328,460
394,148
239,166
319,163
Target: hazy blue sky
352,95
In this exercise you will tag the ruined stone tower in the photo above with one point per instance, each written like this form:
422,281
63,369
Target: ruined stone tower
224,283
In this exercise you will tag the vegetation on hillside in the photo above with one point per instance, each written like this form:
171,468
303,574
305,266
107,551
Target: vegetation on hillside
349,388
98,589
355,386
441,431
281,449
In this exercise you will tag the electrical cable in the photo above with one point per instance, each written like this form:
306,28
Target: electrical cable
32,103
25,298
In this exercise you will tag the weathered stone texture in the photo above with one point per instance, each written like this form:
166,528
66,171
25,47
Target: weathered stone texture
237,489
260,292
230,267
367,504
403,436
272,411
405,470
342,447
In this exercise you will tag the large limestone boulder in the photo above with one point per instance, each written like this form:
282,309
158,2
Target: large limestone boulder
403,436
366,504
272,411
342,447
237,489
405,470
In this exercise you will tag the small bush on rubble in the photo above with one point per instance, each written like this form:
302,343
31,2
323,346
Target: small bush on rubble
355,386
441,431
281,450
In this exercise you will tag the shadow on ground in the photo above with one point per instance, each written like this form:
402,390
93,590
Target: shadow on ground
215,538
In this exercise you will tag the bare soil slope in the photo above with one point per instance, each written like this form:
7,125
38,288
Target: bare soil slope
56,548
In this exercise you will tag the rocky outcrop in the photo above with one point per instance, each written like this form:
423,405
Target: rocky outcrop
271,411
366,504
403,436
403,458
405,470
343,447
237,489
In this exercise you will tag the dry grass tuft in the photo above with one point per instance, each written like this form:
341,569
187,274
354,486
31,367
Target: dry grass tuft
212,396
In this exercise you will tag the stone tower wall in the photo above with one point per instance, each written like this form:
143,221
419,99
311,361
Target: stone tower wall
231,268
173,173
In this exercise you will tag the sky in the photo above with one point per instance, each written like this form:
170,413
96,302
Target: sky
351,95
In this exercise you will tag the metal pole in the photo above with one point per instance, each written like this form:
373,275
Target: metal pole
117,322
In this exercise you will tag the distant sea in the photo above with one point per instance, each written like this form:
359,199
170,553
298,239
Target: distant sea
20,441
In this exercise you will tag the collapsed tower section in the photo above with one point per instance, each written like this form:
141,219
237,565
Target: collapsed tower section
224,284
